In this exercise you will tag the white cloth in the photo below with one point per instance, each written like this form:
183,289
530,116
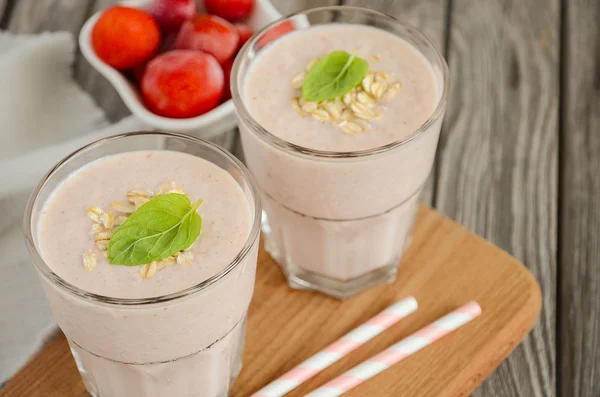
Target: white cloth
44,115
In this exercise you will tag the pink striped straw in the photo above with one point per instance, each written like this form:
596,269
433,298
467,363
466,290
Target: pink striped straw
398,351
338,349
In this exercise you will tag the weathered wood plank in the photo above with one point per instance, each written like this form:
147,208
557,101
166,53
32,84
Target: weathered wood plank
580,208
33,16
497,172
286,7
430,17
3,4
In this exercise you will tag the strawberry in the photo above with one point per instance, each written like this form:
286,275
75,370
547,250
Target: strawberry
182,84
210,34
232,10
124,37
171,14
244,31
274,33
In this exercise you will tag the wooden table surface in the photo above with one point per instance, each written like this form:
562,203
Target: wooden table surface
518,161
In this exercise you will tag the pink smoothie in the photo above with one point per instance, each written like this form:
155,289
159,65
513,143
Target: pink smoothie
224,210
268,89
334,220
181,347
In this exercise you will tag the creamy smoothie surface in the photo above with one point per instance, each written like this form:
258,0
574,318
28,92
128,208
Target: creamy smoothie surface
268,89
64,231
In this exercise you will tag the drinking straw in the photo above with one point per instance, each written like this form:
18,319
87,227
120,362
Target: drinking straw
398,351
338,349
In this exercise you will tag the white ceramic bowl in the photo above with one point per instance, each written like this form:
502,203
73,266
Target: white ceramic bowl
208,125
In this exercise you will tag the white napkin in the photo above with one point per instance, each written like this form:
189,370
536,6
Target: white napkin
44,115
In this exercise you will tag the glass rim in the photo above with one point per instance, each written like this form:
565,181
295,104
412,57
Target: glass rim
43,268
295,149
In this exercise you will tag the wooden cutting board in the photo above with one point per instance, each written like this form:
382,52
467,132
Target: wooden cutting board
445,267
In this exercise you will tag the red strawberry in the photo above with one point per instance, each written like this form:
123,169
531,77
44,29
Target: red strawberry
244,31
227,74
210,34
232,10
275,32
171,14
124,37
182,84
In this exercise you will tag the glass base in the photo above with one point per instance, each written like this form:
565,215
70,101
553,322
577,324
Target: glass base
340,289
337,258
209,373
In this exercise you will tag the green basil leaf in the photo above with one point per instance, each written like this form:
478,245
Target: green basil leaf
166,224
333,76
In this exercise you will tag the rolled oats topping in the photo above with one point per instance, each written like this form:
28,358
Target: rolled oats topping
164,187
138,197
298,80
296,106
90,259
356,110
148,270
321,114
101,240
105,224
97,228
94,214
391,92
119,220
123,207
185,258
108,219
377,89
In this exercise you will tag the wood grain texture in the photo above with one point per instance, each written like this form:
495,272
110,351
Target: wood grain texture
286,326
3,4
286,7
430,17
497,172
580,206
33,16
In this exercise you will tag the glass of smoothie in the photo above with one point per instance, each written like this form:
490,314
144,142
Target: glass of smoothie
146,246
340,110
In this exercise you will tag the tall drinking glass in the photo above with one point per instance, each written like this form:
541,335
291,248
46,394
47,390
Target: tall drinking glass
337,221
186,343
